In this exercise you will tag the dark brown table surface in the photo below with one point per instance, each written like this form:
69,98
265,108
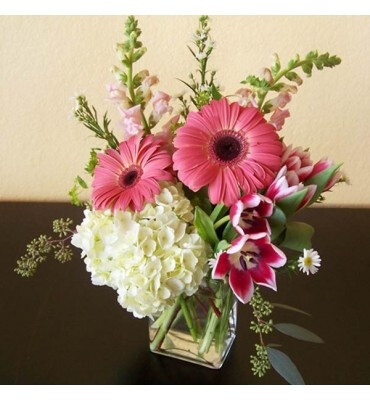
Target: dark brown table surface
57,328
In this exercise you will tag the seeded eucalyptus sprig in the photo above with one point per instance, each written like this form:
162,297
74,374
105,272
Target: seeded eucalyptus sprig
202,81
38,249
271,79
261,310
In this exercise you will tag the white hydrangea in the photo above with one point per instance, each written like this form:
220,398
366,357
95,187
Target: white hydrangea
150,257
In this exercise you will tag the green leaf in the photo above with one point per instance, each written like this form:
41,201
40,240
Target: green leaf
229,233
222,245
218,212
298,236
81,182
290,203
215,93
298,332
277,222
290,308
284,366
321,180
205,228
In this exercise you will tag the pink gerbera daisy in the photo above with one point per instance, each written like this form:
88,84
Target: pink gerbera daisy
129,176
229,148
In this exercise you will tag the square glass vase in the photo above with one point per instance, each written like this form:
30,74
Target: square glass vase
199,329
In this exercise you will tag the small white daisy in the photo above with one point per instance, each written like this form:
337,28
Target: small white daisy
310,262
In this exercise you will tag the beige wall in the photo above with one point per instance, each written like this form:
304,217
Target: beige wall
44,60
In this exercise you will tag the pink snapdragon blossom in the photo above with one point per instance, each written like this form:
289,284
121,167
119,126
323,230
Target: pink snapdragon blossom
322,165
228,148
265,73
117,94
278,118
280,101
129,177
248,215
167,135
246,98
145,87
246,262
280,188
298,163
161,105
131,121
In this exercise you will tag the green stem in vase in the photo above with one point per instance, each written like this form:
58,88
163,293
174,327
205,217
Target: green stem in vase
170,314
188,318
210,332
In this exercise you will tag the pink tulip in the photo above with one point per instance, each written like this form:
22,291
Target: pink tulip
248,215
248,261
322,165
298,163
280,188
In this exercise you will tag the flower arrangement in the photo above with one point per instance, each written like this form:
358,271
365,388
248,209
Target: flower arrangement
186,219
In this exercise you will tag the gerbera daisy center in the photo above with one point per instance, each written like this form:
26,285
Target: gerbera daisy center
228,146
130,176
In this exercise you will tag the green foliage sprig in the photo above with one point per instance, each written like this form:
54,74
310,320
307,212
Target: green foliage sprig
262,86
202,82
88,116
38,249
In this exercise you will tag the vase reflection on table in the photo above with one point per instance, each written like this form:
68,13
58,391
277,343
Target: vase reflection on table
199,329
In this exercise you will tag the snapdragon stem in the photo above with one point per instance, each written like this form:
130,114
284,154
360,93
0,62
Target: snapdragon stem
221,221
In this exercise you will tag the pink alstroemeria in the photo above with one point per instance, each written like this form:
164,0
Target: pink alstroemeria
322,165
298,163
161,105
249,261
278,118
131,121
248,215
280,189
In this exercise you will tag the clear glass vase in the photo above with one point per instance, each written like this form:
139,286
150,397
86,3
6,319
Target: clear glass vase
200,328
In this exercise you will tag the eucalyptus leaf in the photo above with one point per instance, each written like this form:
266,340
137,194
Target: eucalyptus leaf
298,332
284,366
205,227
298,236
291,203
290,308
